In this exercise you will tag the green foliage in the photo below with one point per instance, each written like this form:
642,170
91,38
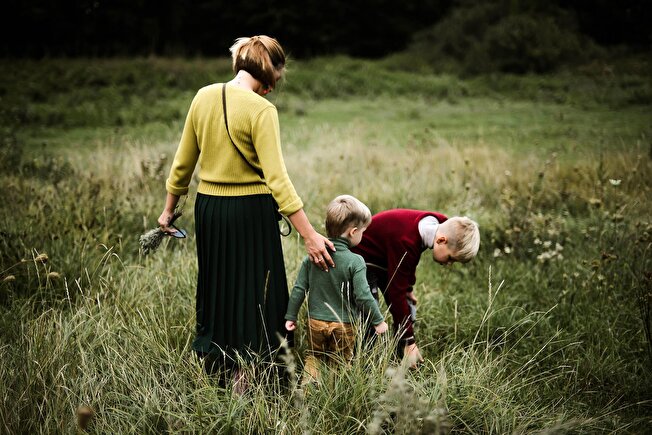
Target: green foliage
547,330
483,37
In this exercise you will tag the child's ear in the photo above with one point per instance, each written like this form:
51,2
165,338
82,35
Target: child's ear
352,231
441,239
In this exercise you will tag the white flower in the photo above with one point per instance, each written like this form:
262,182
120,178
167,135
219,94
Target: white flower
507,250
614,182
497,252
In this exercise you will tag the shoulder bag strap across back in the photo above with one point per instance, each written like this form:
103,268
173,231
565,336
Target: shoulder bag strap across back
226,123
256,170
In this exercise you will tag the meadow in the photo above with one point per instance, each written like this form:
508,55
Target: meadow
548,330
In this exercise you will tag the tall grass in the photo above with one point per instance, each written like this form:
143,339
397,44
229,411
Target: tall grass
545,331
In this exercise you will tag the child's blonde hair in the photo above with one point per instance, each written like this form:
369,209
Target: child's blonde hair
261,56
464,237
345,212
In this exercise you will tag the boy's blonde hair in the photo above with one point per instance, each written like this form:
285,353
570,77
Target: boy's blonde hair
261,56
345,212
464,236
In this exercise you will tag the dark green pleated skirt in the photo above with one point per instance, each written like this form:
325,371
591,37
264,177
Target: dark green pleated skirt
242,291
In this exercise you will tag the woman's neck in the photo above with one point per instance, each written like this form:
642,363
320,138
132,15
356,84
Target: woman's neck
246,81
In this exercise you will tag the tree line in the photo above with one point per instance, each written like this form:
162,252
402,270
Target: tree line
361,28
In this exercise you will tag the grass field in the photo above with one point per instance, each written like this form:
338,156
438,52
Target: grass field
548,330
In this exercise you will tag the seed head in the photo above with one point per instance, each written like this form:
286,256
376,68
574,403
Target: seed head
54,275
84,416
9,278
150,241
42,258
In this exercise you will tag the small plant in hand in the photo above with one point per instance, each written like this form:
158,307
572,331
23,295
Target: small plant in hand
151,240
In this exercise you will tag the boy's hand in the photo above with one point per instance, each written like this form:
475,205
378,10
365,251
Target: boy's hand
411,297
290,325
381,328
412,354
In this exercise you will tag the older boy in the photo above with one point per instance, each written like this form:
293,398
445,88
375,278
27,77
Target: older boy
392,247
334,297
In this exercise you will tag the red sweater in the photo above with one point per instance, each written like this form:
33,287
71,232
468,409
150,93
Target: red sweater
393,241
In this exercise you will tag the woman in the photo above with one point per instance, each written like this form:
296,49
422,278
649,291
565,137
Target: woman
233,132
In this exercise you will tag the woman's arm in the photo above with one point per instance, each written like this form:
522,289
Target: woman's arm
171,201
315,243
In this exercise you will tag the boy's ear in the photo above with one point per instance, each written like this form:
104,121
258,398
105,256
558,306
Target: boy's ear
352,231
441,239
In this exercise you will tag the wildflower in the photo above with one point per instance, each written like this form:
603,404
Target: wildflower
497,252
54,275
42,258
614,182
507,250
544,256
508,174
547,244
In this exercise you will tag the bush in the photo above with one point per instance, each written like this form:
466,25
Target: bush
523,43
494,37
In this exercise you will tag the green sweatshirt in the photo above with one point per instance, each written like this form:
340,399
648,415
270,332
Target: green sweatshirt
333,296
254,127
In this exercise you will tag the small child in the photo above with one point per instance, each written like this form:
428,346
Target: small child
392,247
331,310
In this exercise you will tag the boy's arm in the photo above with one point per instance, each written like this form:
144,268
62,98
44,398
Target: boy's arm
362,293
401,277
298,294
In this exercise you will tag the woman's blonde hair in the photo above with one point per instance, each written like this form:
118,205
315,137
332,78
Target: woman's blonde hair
346,212
261,56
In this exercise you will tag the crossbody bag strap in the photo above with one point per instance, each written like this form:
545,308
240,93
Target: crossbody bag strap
226,123
256,170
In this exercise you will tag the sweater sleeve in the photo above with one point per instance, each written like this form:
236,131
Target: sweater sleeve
299,291
401,277
185,158
363,298
267,141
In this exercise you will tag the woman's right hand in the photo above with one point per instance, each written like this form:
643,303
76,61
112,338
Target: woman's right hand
316,246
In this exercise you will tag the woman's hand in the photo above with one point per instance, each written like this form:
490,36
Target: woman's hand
316,245
165,218
164,221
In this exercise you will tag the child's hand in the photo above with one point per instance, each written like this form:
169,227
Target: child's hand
412,355
381,328
290,325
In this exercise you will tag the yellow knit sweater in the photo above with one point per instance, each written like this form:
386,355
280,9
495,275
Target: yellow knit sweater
254,127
